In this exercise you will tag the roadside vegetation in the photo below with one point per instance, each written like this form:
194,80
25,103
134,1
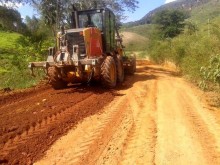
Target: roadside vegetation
16,51
21,43
193,51
193,47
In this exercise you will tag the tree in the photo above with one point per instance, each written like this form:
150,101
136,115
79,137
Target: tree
171,22
36,29
57,12
11,20
35,41
191,28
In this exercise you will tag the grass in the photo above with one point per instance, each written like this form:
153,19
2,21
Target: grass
8,40
14,72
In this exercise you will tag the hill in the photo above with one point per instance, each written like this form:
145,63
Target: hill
187,5
209,11
136,39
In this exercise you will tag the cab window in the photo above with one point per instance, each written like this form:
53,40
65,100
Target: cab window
97,20
90,20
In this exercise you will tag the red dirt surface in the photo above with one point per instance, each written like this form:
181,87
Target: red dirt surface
31,120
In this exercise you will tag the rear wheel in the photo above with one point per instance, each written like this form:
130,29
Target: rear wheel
108,73
55,81
120,69
132,68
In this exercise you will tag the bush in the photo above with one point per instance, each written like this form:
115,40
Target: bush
211,72
190,52
16,55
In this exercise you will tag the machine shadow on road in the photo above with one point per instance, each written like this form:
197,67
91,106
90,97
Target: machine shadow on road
94,87
141,74
157,70
144,73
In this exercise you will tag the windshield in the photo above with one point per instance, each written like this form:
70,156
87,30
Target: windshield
90,20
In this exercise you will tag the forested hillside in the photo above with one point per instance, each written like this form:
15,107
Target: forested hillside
195,51
187,5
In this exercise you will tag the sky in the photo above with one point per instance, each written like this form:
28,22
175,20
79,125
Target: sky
144,7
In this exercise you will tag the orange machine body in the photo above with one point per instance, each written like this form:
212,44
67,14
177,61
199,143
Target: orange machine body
93,42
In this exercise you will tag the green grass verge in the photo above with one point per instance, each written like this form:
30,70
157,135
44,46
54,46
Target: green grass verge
14,72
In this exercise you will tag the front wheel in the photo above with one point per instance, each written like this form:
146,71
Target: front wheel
132,68
108,72
54,80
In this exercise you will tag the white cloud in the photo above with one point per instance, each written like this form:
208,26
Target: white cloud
168,1
11,5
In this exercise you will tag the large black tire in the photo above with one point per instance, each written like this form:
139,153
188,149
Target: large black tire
120,69
108,72
132,68
54,80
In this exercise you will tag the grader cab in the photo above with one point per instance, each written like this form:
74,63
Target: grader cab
90,50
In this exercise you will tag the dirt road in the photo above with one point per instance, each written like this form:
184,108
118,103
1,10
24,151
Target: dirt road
155,117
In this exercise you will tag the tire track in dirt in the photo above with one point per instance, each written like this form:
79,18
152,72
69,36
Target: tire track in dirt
113,150
158,120
102,139
140,144
204,124
155,118
113,124
89,135
182,137
206,138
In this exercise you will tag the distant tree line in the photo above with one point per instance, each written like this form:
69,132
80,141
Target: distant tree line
58,11
11,20
55,13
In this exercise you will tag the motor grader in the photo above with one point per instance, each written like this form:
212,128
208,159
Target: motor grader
90,50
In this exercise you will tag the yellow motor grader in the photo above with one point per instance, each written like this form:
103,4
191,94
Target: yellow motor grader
90,50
